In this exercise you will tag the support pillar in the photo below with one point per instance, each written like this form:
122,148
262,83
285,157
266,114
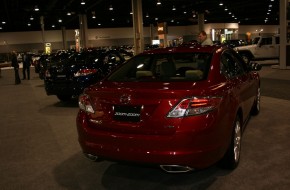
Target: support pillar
42,33
63,32
83,31
151,33
283,35
162,34
201,21
138,26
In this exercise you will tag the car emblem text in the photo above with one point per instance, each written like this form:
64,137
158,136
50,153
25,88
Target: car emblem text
125,99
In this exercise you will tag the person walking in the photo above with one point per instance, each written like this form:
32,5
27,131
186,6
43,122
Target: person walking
15,65
204,40
26,66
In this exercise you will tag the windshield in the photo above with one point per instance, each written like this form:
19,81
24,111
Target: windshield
256,40
164,67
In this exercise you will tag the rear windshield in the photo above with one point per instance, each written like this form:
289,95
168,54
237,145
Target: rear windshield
164,67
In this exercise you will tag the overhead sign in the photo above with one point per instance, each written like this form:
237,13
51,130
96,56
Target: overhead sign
162,28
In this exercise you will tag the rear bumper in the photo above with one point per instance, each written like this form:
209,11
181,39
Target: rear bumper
66,87
182,148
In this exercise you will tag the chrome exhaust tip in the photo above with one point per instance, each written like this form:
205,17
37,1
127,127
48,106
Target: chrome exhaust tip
176,168
92,157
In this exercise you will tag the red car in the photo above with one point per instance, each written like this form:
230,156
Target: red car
181,108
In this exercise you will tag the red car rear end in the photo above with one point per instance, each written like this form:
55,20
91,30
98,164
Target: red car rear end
177,107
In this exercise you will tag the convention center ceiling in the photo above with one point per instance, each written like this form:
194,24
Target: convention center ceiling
24,15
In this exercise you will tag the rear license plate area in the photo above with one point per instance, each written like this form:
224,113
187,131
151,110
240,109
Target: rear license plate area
127,113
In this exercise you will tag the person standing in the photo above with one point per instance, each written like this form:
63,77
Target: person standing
15,65
204,40
26,66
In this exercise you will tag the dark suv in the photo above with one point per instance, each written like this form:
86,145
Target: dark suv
68,78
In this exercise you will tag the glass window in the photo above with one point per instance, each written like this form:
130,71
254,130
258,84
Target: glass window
164,67
277,39
232,65
266,41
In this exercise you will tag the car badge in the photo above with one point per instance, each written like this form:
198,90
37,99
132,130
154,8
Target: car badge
125,99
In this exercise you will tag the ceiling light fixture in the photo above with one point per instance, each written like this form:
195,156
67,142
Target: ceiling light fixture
31,18
173,8
36,8
83,2
111,7
158,2
221,3
93,14
68,13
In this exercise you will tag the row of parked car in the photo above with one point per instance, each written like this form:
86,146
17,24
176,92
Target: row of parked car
67,73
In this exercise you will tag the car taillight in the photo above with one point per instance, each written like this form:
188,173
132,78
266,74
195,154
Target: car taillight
84,72
85,103
47,74
194,106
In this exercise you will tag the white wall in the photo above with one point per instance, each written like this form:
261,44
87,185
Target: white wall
26,41
256,29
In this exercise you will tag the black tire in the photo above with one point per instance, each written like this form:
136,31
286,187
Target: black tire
246,58
256,106
232,157
64,98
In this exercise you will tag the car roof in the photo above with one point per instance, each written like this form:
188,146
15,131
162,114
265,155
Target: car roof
184,49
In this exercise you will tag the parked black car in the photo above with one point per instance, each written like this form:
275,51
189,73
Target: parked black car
234,43
68,78
40,64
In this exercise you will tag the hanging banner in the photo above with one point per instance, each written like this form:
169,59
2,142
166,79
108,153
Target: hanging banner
162,28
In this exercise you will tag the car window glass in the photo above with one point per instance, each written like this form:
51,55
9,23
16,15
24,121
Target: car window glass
266,41
230,65
165,67
256,40
277,39
128,71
